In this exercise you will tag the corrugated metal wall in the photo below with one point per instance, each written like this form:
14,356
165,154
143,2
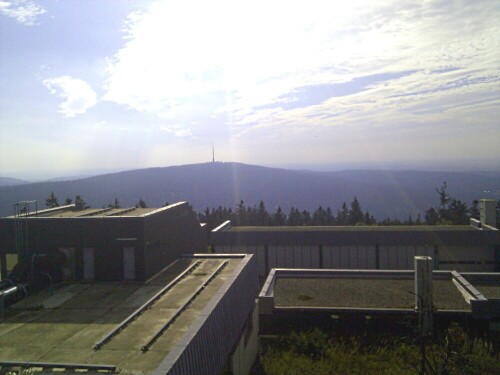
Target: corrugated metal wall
335,257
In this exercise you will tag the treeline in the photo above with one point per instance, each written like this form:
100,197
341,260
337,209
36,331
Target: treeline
81,204
258,215
452,211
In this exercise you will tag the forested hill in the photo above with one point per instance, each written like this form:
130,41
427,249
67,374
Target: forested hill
9,181
394,194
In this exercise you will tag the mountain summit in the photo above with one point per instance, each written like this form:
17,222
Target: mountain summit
394,194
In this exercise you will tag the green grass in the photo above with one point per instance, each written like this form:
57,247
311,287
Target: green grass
314,352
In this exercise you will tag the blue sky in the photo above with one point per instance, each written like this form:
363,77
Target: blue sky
105,85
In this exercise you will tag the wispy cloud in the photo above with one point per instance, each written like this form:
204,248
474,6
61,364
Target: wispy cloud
284,71
178,131
78,94
24,11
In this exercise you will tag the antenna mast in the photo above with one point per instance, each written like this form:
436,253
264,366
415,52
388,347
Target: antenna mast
213,153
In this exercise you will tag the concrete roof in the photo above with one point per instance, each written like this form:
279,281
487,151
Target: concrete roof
70,211
98,212
62,325
488,284
490,291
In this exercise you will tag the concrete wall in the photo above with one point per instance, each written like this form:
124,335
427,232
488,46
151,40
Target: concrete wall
359,236
468,258
170,233
49,235
158,239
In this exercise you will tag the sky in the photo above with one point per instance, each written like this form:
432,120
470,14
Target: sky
119,84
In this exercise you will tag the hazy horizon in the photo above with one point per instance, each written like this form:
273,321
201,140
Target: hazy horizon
445,167
114,85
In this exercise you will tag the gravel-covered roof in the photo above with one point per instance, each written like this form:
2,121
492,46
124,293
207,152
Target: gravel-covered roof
362,293
489,290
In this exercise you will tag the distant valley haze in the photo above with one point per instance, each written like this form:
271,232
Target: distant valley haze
384,193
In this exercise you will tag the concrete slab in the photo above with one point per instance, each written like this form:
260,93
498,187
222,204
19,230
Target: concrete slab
10,352
101,296
140,331
58,299
84,316
490,291
128,362
143,363
176,332
86,337
66,355
51,298
84,313
171,272
90,334
17,320
141,296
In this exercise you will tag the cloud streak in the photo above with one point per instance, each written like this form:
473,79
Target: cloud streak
24,11
320,51
77,94
178,131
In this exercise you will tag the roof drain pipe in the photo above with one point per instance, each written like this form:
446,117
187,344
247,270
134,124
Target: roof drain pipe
423,293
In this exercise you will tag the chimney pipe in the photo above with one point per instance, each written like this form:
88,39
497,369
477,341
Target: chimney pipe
488,212
423,292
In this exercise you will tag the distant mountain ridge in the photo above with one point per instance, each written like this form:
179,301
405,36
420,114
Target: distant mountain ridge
394,194
10,181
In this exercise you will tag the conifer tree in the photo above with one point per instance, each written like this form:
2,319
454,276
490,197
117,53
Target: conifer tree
343,215
240,214
52,201
458,212
444,199
80,203
141,204
262,214
329,218
317,217
474,209
306,218
355,214
431,216
278,218
418,220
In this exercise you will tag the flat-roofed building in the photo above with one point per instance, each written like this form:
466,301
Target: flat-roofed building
296,298
104,244
197,316
452,247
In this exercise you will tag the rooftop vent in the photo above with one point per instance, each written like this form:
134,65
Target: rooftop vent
488,212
